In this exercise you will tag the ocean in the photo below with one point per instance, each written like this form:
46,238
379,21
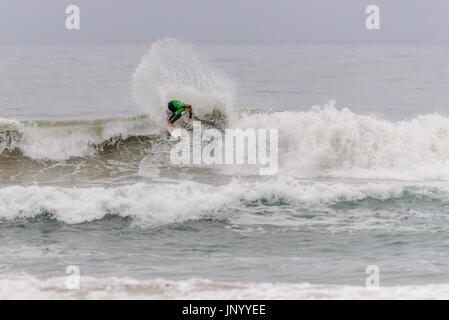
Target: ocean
86,179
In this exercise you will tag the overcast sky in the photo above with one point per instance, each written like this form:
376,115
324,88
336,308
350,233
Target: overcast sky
224,21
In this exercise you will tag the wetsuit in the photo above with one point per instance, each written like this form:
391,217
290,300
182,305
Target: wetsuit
177,108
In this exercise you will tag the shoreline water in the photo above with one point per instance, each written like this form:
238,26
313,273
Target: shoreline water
203,289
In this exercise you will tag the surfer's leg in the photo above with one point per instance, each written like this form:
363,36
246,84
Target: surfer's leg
174,118
172,107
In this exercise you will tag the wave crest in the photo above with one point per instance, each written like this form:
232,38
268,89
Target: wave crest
339,143
321,142
49,140
287,202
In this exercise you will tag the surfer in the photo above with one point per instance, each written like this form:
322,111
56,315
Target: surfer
177,109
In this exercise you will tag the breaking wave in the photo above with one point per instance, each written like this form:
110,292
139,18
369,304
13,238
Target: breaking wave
62,140
277,201
331,142
322,142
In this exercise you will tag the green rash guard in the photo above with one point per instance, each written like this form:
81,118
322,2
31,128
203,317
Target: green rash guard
179,104
179,111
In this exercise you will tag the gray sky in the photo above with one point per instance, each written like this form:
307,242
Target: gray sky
224,21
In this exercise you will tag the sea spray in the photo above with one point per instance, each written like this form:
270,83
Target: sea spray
173,70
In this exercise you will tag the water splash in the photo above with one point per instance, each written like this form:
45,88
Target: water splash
172,70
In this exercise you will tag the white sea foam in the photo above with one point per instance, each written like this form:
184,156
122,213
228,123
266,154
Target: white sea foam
152,204
44,140
24,287
339,143
322,142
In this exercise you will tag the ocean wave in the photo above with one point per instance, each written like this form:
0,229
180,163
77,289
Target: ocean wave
62,140
287,201
331,142
91,288
322,142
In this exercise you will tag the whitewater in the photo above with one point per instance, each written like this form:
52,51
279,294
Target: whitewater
86,177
